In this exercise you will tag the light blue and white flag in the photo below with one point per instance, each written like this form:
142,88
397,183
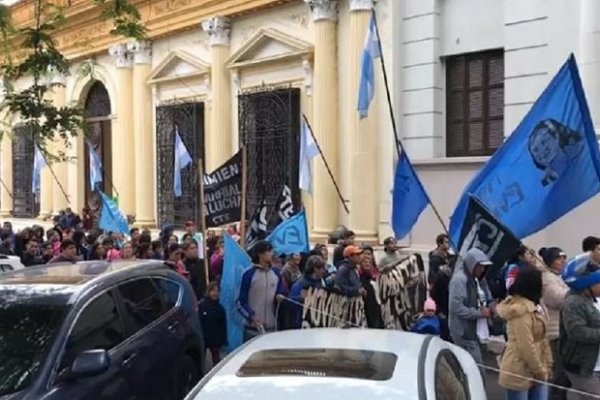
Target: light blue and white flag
39,162
111,218
308,150
95,168
371,51
182,159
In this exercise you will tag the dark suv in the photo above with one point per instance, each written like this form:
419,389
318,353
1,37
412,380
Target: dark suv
98,330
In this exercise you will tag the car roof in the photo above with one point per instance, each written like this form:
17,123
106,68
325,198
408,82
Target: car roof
71,278
226,383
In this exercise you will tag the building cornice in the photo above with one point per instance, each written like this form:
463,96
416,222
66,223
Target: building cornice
85,33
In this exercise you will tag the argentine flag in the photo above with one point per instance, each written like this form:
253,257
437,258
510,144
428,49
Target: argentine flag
366,88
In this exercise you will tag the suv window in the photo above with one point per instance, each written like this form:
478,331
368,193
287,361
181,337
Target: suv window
97,327
6,268
169,291
450,379
142,302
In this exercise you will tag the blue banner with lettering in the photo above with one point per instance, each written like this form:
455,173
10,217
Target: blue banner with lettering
291,236
548,166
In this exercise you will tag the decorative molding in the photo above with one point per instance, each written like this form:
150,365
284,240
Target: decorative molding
219,31
323,9
158,74
123,58
243,57
142,52
237,80
300,18
362,5
308,76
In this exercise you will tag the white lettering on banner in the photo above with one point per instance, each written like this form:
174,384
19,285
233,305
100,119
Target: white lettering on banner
402,290
490,244
221,175
326,309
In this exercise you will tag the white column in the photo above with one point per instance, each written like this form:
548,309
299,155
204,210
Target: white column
142,129
218,139
589,56
325,115
122,132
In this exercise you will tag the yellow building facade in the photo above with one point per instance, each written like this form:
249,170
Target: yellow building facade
222,74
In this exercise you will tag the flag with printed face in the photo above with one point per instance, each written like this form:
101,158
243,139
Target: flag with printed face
548,166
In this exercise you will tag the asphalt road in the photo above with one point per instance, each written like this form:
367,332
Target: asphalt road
494,391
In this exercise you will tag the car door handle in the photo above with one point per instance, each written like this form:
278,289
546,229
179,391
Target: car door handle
127,360
173,326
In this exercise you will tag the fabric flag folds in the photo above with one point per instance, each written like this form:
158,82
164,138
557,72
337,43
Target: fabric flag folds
235,262
409,198
39,162
182,159
291,236
95,168
308,150
371,51
257,230
285,204
548,166
111,218
483,231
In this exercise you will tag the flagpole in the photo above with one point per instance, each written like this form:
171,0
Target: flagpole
244,190
337,188
62,189
203,219
6,188
399,146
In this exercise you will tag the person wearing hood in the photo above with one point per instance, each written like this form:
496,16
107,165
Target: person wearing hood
470,304
527,357
579,341
553,295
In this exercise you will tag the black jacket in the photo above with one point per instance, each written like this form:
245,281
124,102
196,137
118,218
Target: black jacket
197,276
28,260
214,323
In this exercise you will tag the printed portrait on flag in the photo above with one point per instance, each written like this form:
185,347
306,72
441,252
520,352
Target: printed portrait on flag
553,146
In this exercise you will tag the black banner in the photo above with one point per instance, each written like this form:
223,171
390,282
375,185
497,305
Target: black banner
223,193
483,231
328,309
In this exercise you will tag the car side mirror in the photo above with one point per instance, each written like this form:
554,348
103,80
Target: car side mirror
90,363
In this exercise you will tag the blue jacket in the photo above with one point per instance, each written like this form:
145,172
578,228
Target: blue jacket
257,295
303,284
347,279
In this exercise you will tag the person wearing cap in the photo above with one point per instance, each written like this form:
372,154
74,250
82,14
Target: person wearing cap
260,291
427,322
579,343
347,279
470,304
553,295
392,255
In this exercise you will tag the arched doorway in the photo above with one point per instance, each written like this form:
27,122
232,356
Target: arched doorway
97,106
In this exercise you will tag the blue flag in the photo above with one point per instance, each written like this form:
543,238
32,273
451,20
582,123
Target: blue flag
547,167
409,197
95,167
39,162
308,150
235,262
182,159
366,88
111,218
291,236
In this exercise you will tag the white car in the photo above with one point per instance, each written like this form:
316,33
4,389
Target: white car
343,364
10,263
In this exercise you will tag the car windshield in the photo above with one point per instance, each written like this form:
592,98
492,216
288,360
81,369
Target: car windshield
27,331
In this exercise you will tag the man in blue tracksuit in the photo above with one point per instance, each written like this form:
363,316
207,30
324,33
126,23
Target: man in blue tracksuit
260,293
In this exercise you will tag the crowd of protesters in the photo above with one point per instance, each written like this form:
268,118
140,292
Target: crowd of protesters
544,307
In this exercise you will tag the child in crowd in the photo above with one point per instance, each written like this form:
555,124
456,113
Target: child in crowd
214,322
428,322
